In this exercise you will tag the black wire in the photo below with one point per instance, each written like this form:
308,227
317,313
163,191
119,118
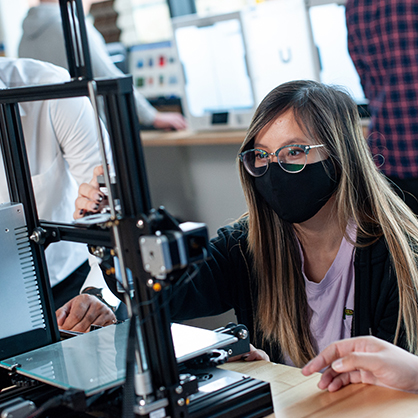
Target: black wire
184,279
50,403
74,399
179,282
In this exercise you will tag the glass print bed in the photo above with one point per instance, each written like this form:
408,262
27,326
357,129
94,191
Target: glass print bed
95,361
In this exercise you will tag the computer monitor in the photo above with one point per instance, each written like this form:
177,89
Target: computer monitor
330,36
280,46
217,85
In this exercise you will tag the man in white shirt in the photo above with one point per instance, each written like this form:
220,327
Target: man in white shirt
43,39
62,147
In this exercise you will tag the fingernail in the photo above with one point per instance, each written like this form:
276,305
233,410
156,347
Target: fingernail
81,212
337,365
95,207
98,197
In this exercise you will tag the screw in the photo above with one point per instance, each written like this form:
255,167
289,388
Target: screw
181,402
179,389
140,224
242,334
99,252
36,236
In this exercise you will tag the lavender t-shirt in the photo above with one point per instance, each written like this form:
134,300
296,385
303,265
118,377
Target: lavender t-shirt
332,300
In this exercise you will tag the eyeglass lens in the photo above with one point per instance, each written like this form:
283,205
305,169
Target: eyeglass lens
292,159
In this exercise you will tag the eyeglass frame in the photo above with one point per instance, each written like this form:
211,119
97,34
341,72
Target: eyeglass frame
306,149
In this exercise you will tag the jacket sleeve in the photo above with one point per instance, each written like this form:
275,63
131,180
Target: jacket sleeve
214,289
377,294
387,308
75,130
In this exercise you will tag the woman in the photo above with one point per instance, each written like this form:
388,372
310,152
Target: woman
326,250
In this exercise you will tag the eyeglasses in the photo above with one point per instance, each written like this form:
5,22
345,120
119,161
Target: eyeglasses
291,158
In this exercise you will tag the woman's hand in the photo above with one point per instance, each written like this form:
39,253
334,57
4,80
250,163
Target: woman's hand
365,360
255,354
90,198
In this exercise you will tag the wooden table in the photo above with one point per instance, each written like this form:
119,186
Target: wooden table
297,396
190,138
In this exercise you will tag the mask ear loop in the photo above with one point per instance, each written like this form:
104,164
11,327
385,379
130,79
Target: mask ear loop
379,160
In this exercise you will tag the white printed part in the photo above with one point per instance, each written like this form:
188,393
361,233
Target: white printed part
159,413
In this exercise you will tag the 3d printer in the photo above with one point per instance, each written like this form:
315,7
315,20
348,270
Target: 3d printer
128,369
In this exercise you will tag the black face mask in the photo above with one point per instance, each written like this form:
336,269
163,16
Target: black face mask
297,197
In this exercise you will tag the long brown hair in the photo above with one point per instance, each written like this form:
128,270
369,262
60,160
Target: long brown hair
329,116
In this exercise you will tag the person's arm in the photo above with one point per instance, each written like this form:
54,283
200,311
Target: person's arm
365,360
75,131
76,134
169,120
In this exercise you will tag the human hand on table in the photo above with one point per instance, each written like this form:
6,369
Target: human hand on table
83,311
365,360
170,120
254,354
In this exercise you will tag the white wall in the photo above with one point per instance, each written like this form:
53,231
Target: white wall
12,13
196,183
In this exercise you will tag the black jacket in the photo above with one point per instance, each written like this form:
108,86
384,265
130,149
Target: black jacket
224,283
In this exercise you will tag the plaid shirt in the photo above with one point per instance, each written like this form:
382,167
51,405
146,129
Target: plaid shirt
383,43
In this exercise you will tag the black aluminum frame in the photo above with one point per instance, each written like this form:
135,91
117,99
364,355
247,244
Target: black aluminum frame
131,189
252,397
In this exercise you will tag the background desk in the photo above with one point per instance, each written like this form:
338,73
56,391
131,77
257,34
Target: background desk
297,396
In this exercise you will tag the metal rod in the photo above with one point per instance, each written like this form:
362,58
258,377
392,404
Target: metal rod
142,363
